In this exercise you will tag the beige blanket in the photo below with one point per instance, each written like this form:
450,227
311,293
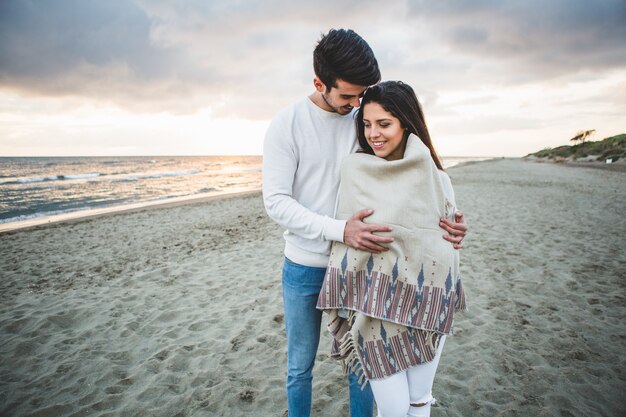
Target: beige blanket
398,302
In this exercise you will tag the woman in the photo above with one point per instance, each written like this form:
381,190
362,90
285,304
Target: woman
390,312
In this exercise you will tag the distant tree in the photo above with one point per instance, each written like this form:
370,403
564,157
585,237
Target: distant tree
581,135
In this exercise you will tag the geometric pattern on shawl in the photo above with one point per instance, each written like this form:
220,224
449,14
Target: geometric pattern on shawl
393,335
409,302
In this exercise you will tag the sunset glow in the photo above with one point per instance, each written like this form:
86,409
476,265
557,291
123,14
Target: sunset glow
148,78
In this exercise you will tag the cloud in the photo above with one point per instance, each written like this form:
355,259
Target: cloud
235,57
247,58
85,48
41,39
531,40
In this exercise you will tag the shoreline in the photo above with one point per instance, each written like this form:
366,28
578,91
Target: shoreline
88,214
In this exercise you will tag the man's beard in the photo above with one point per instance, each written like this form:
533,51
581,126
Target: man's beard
341,110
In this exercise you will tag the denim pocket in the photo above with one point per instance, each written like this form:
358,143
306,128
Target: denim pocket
302,276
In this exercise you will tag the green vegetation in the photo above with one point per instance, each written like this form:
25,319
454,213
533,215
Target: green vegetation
610,148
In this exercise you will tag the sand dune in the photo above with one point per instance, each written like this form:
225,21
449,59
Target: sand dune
177,311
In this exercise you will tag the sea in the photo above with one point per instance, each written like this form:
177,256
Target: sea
32,187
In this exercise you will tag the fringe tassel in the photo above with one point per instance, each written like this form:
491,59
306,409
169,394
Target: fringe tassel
351,362
432,339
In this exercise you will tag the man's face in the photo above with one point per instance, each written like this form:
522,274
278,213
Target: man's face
343,98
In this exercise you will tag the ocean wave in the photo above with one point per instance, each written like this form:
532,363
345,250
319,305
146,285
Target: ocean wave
23,217
127,179
99,177
180,173
169,174
86,206
79,176
33,180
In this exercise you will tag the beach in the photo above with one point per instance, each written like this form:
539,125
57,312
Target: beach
176,310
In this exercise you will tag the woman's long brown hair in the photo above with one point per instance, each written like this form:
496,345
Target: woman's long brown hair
400,100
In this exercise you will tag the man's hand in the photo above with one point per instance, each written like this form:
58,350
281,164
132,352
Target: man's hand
359,235
456,230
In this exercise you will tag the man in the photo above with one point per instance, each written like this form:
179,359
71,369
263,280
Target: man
303,150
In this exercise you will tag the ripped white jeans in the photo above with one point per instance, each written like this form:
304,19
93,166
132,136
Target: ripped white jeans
399,394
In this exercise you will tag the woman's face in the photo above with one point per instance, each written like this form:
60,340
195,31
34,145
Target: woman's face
384,132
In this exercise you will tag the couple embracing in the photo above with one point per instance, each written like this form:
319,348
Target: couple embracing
351,174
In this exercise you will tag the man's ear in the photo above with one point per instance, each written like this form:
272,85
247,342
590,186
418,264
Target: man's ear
319,85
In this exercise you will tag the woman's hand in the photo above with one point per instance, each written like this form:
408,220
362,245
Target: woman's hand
456,230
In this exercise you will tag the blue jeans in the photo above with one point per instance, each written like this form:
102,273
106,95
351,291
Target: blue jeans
301,287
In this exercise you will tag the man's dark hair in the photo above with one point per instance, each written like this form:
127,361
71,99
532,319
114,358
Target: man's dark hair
342,54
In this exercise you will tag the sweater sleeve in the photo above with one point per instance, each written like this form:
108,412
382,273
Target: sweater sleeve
280,163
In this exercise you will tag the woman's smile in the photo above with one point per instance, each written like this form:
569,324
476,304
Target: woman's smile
383,132
378,145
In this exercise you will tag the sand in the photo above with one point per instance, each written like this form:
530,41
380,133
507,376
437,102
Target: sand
177,311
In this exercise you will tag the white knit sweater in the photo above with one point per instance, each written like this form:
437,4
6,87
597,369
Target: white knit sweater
303,150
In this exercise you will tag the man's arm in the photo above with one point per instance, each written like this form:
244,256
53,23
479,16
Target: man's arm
359,235
280,163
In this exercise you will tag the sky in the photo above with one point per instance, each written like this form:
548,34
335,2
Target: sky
205,77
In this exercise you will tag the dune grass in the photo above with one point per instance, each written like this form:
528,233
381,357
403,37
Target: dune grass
613,147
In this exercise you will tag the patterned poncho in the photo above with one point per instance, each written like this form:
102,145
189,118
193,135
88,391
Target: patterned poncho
387,311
